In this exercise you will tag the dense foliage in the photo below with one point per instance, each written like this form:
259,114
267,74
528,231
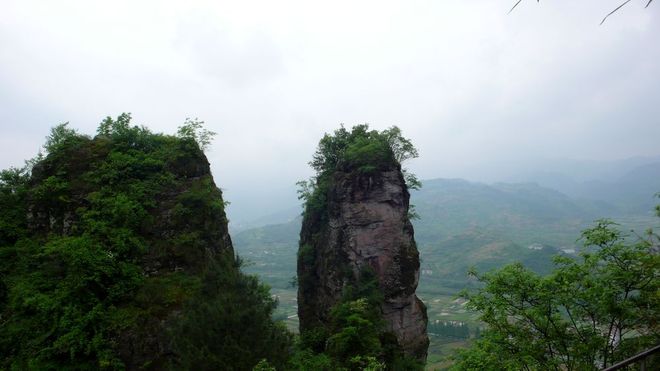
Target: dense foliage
588,313
360,151
228,325
355,338
114,255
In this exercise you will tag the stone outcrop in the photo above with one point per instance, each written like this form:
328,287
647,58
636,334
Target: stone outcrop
190,204
366,224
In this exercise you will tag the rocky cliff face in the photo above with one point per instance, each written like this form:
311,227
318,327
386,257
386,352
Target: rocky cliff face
366,225
179,227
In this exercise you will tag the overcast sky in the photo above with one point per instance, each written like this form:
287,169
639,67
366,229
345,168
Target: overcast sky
479,91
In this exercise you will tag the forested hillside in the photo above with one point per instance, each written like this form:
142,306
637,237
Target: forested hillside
115,254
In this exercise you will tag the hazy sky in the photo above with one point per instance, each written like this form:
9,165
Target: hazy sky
478,90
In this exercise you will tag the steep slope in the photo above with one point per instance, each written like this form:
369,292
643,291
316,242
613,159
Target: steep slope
121,259
368,226
356,225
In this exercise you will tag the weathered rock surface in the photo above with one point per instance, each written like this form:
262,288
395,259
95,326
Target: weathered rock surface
367,225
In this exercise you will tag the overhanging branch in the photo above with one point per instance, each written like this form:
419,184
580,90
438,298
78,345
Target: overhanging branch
601,22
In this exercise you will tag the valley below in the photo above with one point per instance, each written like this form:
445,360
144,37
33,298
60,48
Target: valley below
461,226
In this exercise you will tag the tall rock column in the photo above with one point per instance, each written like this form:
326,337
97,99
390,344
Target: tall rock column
366,224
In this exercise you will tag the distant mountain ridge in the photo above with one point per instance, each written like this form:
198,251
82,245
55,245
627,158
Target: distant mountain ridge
629,188
628,184
632,192
462,224
522,211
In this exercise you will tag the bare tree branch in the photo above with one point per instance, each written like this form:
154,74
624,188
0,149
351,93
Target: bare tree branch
519,1
601,22
615,10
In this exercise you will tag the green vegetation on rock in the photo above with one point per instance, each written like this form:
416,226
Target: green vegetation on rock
354,335
354,338
114,254
360,151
